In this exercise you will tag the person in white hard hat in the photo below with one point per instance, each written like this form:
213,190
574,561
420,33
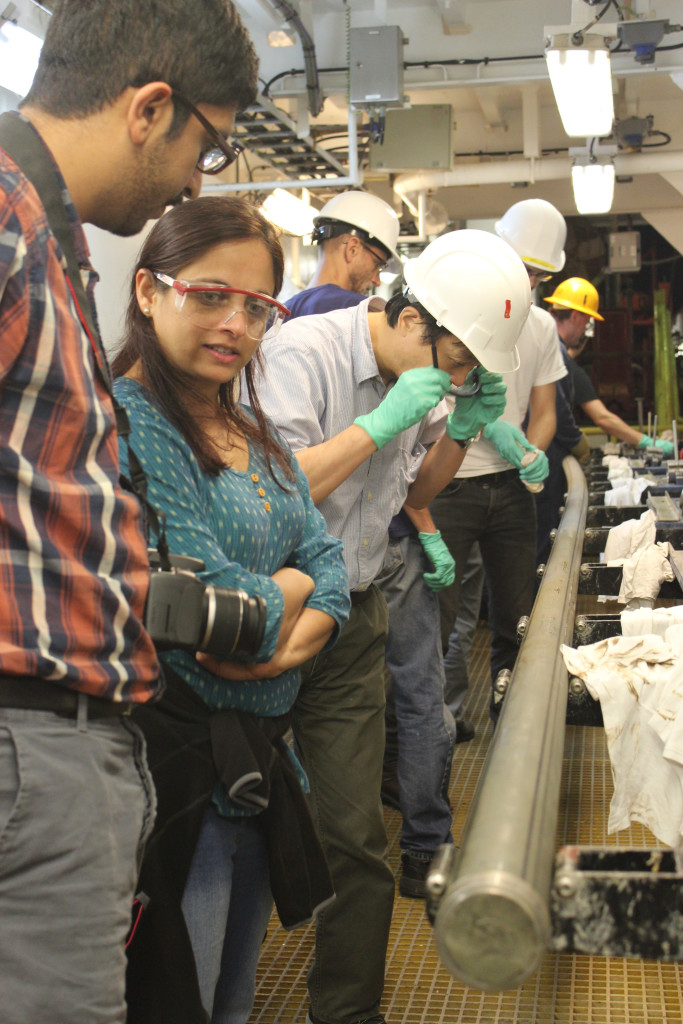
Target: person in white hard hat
417,564
358,395
490,501
356,234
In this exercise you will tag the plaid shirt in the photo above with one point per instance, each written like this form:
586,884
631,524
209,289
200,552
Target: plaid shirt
73,563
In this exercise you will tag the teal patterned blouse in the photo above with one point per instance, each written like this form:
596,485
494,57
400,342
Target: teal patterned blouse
244,528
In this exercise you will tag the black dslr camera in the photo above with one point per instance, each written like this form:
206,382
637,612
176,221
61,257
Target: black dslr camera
182,612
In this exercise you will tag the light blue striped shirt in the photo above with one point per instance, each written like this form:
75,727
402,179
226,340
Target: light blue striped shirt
320,373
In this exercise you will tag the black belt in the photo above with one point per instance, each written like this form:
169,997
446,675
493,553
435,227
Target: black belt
358,596
493,478
38,695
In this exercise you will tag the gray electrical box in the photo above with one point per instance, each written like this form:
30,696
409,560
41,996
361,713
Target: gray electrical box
624,251
376,67
417,139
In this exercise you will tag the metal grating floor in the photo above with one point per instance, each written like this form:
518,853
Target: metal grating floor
568,989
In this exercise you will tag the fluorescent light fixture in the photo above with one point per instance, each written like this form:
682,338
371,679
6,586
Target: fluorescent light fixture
582,82
19,53
593,185
289,213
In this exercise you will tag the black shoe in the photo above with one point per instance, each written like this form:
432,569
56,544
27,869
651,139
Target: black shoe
389,791
413,875
464,730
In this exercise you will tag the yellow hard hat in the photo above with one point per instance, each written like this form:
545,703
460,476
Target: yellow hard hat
576,293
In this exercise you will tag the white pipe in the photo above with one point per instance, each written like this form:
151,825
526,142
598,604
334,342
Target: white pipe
407,186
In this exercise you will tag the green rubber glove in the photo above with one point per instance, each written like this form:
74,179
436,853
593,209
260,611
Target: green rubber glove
472,414
440,557
666,447
537,470
509,440
414,394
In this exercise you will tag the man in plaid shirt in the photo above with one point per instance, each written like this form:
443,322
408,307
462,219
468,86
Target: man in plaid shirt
130,103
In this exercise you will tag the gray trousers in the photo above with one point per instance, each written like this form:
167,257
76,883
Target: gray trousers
76,805
338,723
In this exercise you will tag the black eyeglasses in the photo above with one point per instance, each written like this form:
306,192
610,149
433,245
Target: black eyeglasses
221,153
380,262
466,390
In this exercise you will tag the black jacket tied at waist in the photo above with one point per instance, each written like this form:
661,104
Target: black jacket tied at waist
189,749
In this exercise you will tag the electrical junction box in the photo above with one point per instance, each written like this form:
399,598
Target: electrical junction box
416,139
376,67
624,251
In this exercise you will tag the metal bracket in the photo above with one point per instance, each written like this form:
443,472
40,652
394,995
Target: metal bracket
664,508
596,578
621,903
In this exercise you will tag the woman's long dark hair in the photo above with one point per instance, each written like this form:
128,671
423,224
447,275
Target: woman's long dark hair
180,237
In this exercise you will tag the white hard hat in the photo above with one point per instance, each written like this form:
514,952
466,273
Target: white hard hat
366,213
537,232
476,287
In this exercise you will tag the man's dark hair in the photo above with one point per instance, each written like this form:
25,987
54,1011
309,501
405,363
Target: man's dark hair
95,49
398,302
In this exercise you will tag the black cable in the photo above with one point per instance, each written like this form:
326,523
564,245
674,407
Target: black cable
315,100
596,19
665,259
655,145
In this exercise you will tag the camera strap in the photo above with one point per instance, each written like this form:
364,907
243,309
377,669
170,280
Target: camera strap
26,148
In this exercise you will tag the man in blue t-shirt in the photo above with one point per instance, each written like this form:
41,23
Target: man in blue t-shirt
356,234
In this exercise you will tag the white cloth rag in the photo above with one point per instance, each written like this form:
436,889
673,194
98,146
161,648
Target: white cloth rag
638,622
644,572
626,538
626,492
639,683
619,469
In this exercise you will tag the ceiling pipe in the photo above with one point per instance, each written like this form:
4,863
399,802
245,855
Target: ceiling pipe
409,186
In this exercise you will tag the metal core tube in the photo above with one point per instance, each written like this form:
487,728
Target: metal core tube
493,923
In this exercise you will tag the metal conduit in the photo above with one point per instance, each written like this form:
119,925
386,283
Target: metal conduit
492,926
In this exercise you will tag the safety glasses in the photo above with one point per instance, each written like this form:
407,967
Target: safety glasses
212,306
380,262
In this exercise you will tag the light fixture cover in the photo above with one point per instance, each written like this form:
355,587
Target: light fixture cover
582,83
593,187
289,213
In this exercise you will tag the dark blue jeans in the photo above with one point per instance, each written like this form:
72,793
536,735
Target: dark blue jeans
499,512
425,727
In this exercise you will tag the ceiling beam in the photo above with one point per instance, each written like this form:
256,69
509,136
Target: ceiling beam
490,109
453,17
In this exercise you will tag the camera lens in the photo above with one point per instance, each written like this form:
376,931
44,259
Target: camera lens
233,622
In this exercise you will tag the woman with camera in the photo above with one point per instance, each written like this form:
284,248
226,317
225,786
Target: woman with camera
228,492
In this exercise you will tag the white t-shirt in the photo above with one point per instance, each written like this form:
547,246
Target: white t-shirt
540,362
